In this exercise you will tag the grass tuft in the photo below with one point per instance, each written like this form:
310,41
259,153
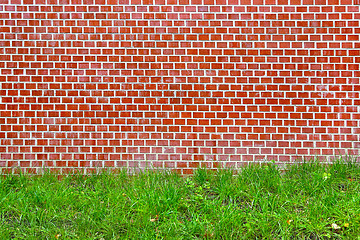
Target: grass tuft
303,201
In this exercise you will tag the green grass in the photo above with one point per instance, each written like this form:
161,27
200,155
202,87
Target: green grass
307,201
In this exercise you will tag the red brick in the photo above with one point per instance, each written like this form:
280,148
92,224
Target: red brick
126,82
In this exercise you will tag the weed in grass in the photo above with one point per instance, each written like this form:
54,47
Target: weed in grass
305,201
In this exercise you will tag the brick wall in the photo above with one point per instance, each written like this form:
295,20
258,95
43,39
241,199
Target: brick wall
177,83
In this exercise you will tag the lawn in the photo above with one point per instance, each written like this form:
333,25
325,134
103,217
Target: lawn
306,201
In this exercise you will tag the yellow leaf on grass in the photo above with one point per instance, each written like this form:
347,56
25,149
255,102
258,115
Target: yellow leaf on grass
154,219
326,175
289,221
346,225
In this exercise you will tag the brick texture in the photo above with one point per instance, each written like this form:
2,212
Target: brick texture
177,83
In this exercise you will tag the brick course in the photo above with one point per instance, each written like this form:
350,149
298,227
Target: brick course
177,83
